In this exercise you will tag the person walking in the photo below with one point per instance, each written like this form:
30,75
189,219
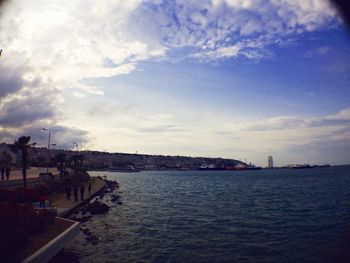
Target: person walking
75,194
82,191
2,172
90,188
5,161
8,170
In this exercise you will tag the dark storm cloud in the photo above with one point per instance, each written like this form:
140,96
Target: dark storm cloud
28,106
10,80
20,111
62,136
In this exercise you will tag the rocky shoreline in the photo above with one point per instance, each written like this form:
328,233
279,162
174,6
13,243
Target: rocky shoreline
96,205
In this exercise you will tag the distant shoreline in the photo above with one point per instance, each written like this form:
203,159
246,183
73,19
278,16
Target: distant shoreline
228,170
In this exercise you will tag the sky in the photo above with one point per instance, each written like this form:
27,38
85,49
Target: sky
238,79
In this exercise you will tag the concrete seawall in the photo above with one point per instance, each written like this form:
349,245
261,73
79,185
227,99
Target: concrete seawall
64,208
48,251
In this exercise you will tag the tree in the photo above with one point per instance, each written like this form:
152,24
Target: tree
22,144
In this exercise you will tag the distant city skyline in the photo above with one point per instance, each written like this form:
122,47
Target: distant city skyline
219,78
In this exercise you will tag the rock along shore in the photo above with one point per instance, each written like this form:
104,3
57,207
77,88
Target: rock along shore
93,206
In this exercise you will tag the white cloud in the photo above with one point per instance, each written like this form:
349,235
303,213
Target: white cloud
213,28
52,46
342,115
68,41
293,138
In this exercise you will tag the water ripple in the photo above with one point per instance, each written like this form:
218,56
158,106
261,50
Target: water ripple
255,216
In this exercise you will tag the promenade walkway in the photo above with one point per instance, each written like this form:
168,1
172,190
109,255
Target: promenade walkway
32,172
58,200
64,206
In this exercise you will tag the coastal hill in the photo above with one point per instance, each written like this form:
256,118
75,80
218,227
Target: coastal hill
96,160
152,162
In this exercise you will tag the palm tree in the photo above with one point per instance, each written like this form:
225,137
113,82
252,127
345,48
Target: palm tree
22,144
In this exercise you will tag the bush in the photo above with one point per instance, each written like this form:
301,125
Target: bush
22,195
19,195
5,195
17,223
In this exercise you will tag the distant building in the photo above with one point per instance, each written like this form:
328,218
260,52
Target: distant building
270,162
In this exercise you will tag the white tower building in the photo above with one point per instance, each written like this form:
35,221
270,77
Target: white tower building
270,162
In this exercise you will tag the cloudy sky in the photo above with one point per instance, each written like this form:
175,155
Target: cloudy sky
241,79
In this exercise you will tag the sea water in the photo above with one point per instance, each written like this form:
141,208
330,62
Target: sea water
222,216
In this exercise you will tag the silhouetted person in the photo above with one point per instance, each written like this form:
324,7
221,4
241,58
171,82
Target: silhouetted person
75,194
8,170
68,192
89,188
82,191
2,172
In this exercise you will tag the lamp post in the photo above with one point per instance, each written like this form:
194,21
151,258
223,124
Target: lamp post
48,149
75,157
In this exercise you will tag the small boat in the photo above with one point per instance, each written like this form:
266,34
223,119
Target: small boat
125,169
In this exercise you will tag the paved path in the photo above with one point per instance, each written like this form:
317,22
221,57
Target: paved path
63,205
59,200
32,172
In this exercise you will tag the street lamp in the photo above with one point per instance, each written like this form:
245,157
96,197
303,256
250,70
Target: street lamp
48,148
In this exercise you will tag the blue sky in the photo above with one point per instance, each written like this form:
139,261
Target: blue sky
222,78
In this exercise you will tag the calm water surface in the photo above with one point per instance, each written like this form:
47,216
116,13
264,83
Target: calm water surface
222,216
